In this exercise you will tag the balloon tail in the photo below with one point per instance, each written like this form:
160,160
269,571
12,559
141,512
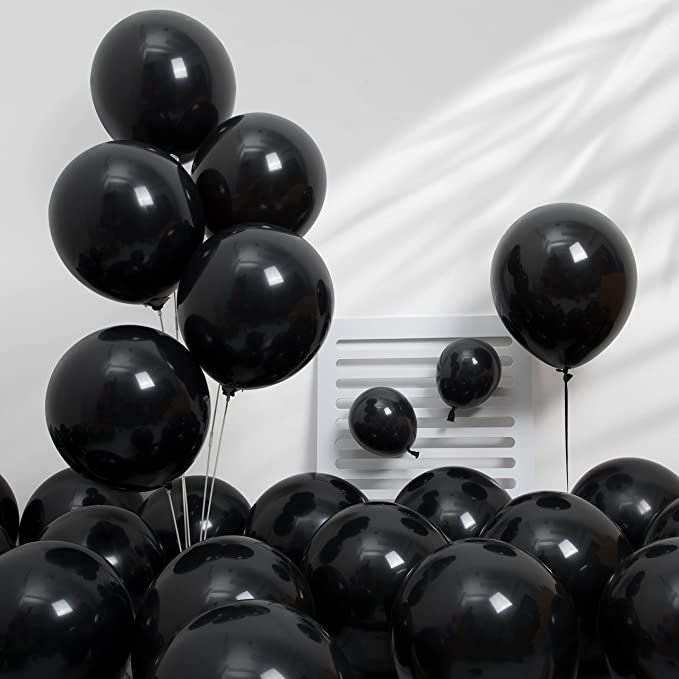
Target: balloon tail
451,415
176,318
187,526
168,490
414,453
567,377
160,317
214,469
203,520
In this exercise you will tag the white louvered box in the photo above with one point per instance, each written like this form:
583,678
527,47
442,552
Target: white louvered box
495,438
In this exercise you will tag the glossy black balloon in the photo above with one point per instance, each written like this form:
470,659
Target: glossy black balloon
355,564
467,374
482,608
288,514
631,491
253,640
64,614
229,512
382,421
577,542
9,511
128,406
162,78
638,614
119,536
255,306
457,500
6,543
259,167
125,220
63,492
563,280
208,575
665,525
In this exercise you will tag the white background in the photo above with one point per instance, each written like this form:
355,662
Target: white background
440,122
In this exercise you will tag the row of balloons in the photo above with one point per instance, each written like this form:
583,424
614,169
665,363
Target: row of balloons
313,580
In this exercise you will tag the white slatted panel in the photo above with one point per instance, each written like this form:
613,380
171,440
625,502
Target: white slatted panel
360,353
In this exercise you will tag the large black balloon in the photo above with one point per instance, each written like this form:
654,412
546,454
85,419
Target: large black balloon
665,525
563,280
288,514
482,608
467,374
64,614
228,512
208,575
63,492
125,220
119,536
259,167
6,543
253,640
382,421
9,511
162,78
577,542
457,500
128,406
355,564
255,306
639,612
631,491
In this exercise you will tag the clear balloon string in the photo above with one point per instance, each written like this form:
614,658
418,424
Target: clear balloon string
203,520
567,377
185,501
176,317
160,316
168,490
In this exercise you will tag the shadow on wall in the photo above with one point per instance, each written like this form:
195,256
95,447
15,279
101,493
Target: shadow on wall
588,115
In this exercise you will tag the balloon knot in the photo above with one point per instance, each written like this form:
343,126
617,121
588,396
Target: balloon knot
414,453
229,392
157,304
451,415
567,376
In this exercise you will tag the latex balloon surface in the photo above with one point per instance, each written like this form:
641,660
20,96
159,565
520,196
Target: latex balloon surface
665,525
9,511
6,543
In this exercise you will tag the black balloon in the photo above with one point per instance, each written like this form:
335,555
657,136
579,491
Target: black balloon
665,525
119,536
128,406
355,564
457,500
253,640
467,374
125,220
9,511
638,614
563,281
255,306
383,422
288,514
162,78
63,492
208,575
6,543
482,608
631,491
259,167
64,614
228,512
577,542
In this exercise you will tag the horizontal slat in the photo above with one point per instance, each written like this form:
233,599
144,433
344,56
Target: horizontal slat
375,372
442,423
400,380
394,475
347,343
420,400
452,442
412,358
424,463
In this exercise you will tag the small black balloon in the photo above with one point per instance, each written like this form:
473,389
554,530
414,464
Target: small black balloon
125,220
129,407
631,491
665,525
457,500
229,512
117,535
383,422
253,639
467,374
563,280
64,614
6,543
208,575
639,611
9,511
255,305
482,608
287,515
63,492
259,167
162,78
355,565
577,542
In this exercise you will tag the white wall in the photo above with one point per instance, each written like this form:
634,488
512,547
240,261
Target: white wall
440,122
